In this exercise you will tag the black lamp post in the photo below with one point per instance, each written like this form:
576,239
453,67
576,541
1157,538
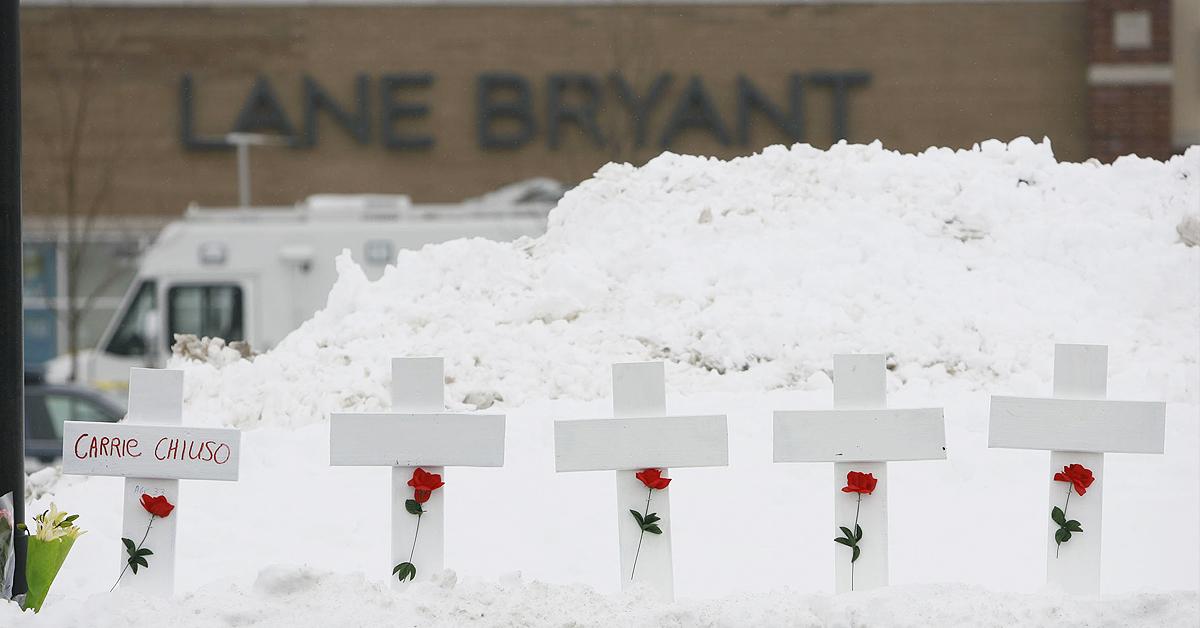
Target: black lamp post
12,368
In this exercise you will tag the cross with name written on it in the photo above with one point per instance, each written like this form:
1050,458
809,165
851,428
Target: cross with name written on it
152,451
639,438
1078,425
861,434
417,434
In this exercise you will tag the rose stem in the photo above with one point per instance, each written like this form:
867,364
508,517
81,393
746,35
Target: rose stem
415,533
1058,546
856,509
632,572
139,546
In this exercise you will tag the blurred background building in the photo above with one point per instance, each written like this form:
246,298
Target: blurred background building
128,104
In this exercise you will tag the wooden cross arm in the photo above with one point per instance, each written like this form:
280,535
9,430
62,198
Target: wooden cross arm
440,439
641,443
876,435
1086,425
151,451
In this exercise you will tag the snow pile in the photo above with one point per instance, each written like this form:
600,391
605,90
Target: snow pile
280,597
747,275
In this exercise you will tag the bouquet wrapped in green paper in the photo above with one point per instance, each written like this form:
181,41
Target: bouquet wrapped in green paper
48,548
7,560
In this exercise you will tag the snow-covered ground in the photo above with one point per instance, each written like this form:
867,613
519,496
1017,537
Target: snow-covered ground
745,276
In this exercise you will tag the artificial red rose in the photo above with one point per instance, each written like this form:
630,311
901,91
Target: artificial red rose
424,484
157,505
653,478
861,483
1078,475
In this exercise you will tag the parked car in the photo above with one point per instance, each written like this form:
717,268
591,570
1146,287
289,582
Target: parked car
47,406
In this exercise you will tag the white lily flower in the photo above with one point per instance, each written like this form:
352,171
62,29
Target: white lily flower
55,524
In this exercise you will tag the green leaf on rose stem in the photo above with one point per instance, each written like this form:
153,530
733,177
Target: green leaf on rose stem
846,532
637,515
129,546
413,507
1062,536
857,532
1074,526
653,518
405,571
844,541
1058,516
133,566
856,553
141,561
653,529
144,552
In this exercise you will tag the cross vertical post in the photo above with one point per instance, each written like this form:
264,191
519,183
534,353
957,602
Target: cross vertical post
860,383
418,387
1080,372
155,397
639,390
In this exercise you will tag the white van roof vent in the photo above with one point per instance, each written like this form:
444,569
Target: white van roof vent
368,206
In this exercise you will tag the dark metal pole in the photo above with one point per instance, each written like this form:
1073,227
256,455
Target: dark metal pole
12,367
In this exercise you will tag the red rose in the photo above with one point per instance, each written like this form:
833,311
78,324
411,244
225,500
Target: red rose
653,478
424,483
861,483
157,505
1078,475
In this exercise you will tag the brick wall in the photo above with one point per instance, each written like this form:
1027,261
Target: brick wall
1129,92
1100,31
1131,120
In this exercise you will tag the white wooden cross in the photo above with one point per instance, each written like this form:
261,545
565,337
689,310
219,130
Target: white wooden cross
641,437
152,451
1078,426
418,432
860,434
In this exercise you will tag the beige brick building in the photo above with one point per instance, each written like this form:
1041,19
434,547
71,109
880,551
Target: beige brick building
911,74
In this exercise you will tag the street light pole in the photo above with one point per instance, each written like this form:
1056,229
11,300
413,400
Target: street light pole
243,142
243,157
12,367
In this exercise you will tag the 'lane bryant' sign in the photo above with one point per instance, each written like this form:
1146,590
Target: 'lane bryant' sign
506,117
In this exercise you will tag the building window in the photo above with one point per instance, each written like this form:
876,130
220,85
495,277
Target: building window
205,310
128,339
1131,30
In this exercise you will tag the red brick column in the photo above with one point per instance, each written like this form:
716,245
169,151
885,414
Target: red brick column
1129,78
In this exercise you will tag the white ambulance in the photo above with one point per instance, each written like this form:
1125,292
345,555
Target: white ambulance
255,274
